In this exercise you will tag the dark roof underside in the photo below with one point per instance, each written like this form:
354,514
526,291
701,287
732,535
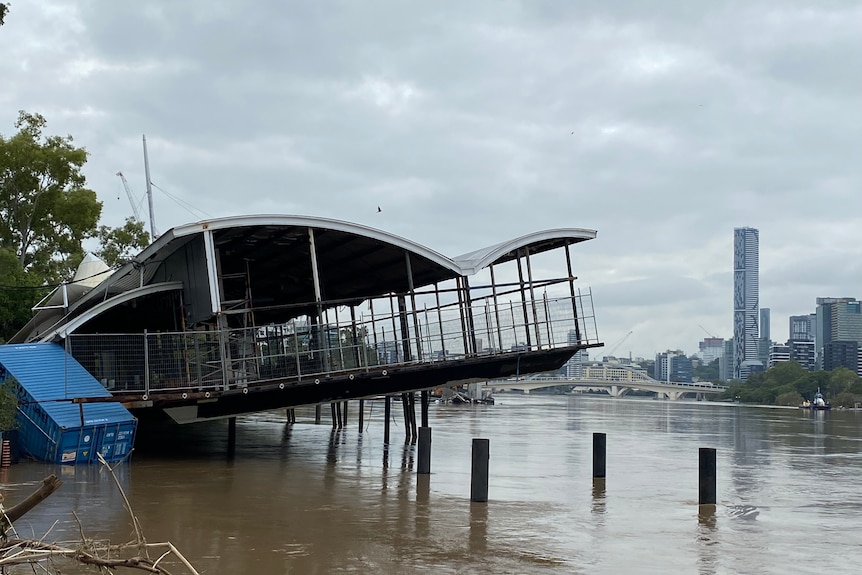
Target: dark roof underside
277,262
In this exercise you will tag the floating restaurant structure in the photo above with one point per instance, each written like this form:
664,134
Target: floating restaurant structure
242,314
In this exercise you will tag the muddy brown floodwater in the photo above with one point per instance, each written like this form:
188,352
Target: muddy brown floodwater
305,499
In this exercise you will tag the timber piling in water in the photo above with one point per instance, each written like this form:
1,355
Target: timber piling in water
414,434
424,466
424,401
387,413
231,437
405,414
361,415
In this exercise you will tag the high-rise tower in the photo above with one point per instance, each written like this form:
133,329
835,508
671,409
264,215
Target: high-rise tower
746,267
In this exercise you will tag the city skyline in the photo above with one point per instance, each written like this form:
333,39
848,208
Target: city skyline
483,121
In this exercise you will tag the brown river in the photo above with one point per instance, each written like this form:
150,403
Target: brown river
303,499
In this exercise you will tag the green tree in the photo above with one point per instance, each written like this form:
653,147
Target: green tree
840,380
19,292
120,245
46,212
8,405
4,9
707,372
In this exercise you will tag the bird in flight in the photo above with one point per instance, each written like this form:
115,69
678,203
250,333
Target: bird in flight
378,209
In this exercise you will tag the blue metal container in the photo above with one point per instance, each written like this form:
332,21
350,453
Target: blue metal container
59,421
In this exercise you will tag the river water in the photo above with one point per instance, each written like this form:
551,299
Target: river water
304,499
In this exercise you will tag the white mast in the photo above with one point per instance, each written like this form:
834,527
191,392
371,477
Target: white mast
149,191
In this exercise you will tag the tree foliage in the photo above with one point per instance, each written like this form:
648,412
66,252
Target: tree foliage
120,245
46,212
19,292
4,9
8,405
707,372
787,381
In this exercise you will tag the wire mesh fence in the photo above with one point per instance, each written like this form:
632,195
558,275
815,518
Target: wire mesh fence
202,360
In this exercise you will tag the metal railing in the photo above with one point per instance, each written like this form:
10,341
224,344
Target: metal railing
203,360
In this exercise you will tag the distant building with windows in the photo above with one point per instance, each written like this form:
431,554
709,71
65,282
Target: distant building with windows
837,319
710,349
725,362
673,366
764,342
841,354
574,368
802,352
802,327
777,354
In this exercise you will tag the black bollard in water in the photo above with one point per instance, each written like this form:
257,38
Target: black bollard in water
335,417
361,415
707,491
599,454
424,450
479,471
344,416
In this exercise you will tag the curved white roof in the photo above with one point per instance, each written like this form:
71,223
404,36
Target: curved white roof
277,230
309,222
472,262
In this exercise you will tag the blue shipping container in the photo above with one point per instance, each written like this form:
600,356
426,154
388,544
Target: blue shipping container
52,426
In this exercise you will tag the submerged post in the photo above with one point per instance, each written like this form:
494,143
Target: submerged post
317,413
707,469
387,412
599,455
231,437
424,450
479,471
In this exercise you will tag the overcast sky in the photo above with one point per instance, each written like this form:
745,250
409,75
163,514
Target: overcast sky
661,124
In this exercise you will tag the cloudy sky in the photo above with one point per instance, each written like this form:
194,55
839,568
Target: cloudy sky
661,124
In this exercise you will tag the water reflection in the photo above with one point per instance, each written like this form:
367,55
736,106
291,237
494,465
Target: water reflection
599,503
707,540
478,527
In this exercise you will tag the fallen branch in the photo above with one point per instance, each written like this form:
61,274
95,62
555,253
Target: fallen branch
98,554
49,485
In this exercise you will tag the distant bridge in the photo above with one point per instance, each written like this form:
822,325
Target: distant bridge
616,379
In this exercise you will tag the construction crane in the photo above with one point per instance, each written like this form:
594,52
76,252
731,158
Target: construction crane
707,333
613,348
135,211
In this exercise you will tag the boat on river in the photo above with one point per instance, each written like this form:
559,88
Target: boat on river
819,402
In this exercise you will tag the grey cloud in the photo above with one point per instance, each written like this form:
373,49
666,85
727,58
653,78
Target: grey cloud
661,124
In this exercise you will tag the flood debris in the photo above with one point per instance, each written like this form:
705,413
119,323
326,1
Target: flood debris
45,556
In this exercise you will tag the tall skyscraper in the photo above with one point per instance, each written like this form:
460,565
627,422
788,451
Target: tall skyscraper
764,342
746,287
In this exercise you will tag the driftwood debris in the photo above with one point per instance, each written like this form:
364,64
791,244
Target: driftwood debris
49,485
101,556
